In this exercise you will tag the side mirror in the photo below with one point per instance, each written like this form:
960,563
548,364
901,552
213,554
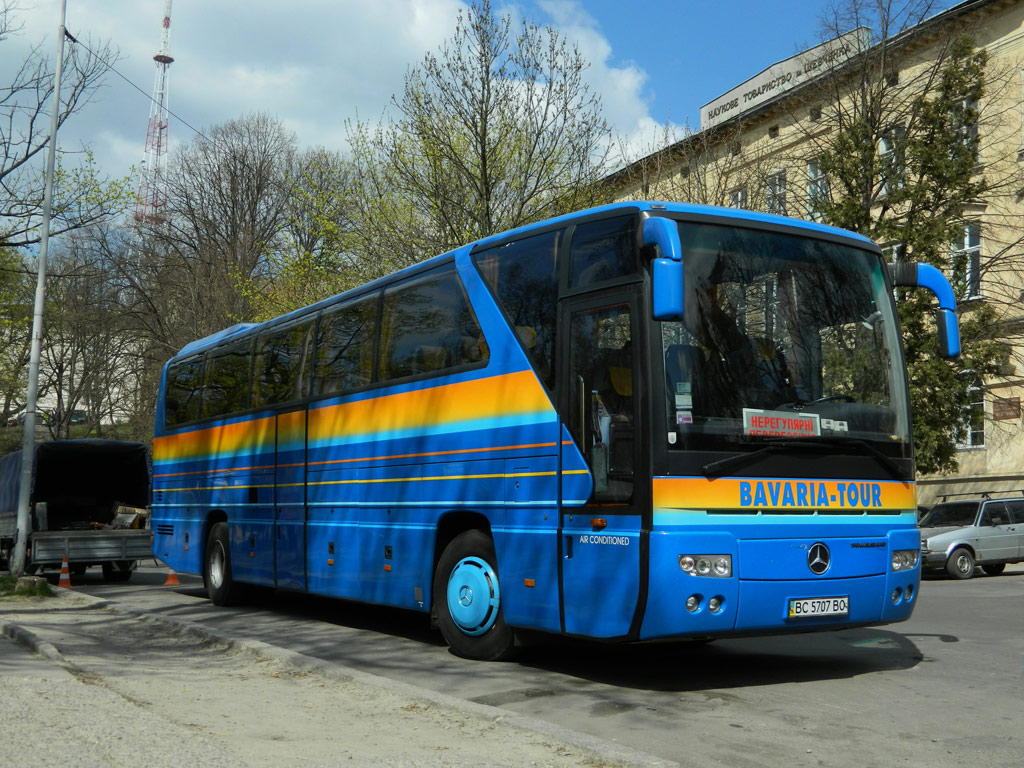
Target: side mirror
668,289
927,276
666,267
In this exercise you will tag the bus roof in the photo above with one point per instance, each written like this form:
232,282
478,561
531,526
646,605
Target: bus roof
741,215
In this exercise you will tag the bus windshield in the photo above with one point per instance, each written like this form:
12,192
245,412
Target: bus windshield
782,338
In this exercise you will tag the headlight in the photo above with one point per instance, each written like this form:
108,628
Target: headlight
719,566
905,559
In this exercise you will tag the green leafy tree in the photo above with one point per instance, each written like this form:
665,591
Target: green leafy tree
495,130
314,261
901,160
16,291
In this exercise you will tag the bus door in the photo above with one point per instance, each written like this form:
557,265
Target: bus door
600,540
290,500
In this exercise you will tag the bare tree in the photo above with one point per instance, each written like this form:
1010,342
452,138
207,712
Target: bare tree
314,261
227,211
711,167
16,292
80,196
77,341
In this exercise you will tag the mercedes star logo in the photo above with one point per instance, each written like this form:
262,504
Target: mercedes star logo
818,559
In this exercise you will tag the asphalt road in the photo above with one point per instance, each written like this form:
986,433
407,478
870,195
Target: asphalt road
944,688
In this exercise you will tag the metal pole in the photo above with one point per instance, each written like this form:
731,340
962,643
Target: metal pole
28,436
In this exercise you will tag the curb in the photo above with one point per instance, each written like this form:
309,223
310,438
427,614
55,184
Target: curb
32,642
600,749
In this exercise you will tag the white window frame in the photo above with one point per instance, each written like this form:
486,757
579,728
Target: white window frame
1020,151
973,435
817,189
891,252
738,198
970,131
891,167
968,250
775,193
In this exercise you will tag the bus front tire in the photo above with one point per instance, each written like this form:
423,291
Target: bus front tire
220,586
961,563
467,597
995,569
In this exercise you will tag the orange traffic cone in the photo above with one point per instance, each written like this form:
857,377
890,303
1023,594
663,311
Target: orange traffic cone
172,578
65,575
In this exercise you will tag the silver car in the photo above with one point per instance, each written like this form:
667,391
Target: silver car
957,535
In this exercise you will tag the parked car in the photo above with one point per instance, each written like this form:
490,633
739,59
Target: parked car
958,535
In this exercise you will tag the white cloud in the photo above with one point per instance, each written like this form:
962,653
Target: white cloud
621,84
311,63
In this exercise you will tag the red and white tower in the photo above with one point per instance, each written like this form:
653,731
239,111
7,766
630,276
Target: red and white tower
151,203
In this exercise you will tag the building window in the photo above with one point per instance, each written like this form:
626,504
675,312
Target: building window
971,432
891,252
890,160
968,127
738,198
1020,152
966,262
773,132
817,190
815,114
775,193
735,148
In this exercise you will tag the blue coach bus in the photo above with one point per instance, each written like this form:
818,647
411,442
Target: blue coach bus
639,421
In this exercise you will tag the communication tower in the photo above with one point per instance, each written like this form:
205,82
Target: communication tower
151,202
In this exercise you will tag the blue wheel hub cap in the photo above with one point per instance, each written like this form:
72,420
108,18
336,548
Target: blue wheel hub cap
473,595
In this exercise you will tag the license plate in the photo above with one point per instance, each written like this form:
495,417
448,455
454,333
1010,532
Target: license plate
812,607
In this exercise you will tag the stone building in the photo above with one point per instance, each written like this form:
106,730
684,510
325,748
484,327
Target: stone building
759,144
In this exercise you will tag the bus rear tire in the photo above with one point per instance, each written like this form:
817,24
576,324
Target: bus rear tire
467,598
220,586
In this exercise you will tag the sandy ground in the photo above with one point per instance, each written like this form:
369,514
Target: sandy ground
126,690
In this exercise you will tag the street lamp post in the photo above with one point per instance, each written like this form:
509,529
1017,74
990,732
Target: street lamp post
28,436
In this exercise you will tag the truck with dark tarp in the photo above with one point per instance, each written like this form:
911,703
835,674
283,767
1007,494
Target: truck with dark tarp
89,502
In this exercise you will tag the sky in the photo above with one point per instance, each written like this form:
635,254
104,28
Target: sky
314,64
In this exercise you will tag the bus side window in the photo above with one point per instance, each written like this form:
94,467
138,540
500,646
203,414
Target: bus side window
427,326
523,276
344,347
280,367
603,250
226,381
184,386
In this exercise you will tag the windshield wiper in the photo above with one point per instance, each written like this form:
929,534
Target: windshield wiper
886,461
720,467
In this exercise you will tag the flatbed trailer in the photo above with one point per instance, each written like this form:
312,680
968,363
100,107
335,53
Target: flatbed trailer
89,503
